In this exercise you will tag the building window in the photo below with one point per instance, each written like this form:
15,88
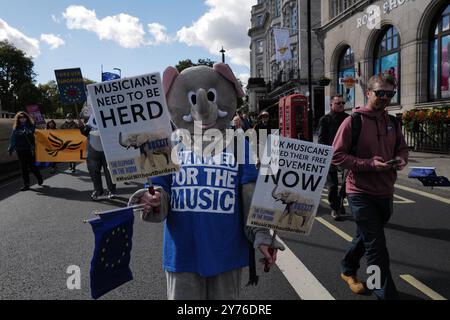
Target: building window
294,20
272,41
339,6
346,68
439,85
260,72
259,20
260,46
277,8
387,57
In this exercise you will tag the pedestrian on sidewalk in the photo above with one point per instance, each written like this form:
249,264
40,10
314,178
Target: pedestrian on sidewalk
70,124
51,125
263,124
370,182
96,160
237,127
328,127
247,122
22,141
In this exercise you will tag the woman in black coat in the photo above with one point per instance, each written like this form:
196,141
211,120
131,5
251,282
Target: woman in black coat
22,141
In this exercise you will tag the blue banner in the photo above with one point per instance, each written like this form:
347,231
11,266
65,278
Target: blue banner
110,265
71,86
109,76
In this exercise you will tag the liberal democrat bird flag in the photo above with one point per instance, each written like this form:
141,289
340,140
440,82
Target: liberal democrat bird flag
282,44
110,265
60,146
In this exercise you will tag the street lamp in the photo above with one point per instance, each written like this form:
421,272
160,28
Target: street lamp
223,54
120,71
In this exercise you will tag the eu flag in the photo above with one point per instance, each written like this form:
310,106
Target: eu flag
110,265
108,76
422,172
428,177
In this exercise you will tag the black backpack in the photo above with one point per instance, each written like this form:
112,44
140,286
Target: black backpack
356,132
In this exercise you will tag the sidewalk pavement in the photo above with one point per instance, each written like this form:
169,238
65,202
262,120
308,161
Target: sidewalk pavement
418,159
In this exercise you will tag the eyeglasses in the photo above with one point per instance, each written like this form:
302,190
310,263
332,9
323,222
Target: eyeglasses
383,93
342,103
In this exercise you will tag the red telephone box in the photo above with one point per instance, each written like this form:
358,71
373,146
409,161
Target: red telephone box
293,117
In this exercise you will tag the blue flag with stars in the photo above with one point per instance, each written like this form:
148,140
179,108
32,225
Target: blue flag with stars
110,265
428,177
109,76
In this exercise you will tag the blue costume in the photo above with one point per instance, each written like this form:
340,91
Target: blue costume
204,228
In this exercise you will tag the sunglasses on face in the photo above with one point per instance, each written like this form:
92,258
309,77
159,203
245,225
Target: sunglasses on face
385,93
342,103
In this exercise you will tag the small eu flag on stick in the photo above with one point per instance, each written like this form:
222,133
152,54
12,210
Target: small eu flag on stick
110,265
428,177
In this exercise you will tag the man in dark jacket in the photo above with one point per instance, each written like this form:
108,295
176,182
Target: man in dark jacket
328,126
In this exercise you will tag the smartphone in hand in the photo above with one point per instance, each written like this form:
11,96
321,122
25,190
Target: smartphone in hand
393,161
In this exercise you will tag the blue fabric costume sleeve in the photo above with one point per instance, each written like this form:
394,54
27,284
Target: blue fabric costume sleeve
247,171
164,182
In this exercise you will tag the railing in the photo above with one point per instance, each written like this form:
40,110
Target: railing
6,114
423,137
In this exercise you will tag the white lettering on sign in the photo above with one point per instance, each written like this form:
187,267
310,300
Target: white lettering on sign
372,17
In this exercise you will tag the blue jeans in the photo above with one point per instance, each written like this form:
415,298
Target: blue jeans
371,214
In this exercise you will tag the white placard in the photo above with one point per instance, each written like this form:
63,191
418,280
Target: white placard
134,124
289,188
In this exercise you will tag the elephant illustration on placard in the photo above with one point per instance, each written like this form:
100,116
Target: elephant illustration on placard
149,144
295,205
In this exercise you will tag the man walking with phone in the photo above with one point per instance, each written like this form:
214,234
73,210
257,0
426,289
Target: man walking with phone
370,182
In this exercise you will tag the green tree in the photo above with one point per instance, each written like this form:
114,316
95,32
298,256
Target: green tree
50,98
51,103
28,94
184,64
16,69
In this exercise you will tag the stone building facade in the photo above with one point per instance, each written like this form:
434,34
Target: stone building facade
408,38
271,79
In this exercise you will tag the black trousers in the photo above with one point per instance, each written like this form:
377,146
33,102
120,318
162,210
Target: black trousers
27,164
96,160
335,196
371,215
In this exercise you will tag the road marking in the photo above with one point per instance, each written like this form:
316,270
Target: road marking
423,194
299,277
335,229
421,287
401,200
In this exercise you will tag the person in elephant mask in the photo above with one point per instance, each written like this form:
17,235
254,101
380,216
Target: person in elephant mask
205,205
